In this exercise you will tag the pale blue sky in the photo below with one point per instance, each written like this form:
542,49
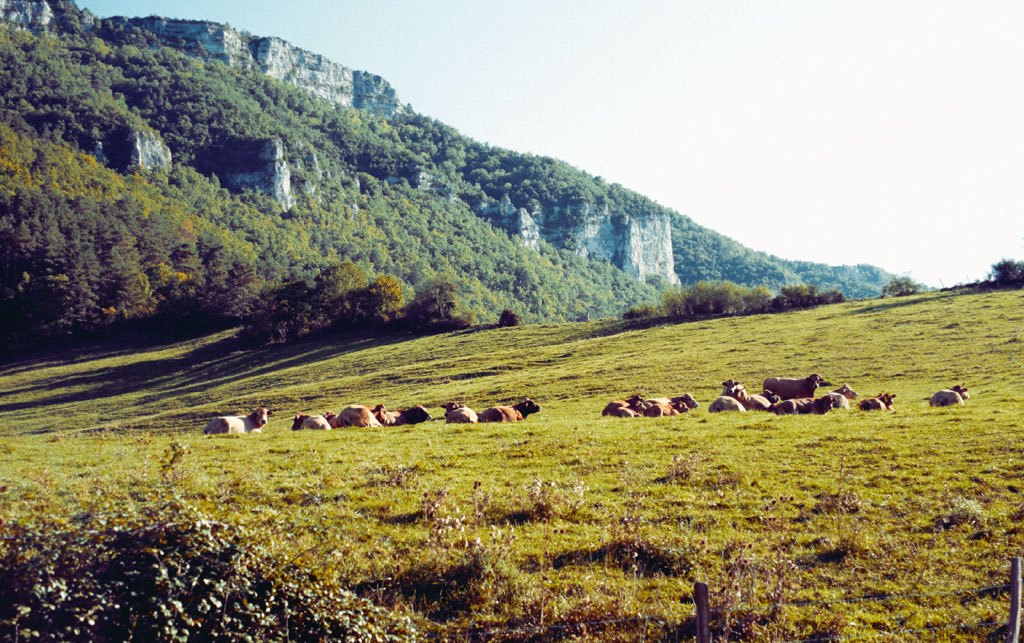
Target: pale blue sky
868,131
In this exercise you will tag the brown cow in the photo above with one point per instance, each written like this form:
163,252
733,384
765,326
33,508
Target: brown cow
415,415
685,399
635,405
455,413
726,403
239,424
789,389
732,388
659,409
512,413
881,402
954,395
843,395
312,422
806,405
358,415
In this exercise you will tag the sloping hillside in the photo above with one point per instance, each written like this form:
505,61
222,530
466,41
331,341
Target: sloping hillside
940,338
849,525
281,182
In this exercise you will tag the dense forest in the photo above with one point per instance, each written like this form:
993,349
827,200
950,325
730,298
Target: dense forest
88,244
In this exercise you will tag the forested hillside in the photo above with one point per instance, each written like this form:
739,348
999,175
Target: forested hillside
86,243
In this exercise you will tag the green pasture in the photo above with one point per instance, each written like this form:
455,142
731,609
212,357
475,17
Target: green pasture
570,524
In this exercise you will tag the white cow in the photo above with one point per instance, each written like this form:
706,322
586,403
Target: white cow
239,424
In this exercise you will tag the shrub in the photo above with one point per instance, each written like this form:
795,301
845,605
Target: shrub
509,318
1008,272
437,307
901,287
643,311
170,574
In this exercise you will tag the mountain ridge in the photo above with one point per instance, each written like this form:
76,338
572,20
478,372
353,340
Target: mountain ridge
310,182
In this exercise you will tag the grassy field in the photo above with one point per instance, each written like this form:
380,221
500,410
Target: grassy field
570,524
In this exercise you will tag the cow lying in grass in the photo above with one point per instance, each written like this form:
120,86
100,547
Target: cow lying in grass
881,402
735,390
358,415
414,415
628,408
455,413
513,413
303,422
952,396
239,424
843,395
806,405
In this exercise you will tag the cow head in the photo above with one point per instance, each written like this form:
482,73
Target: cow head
680,407
299,419
771,397
960,390
451,406
823,404
689,401
416,414
636,403
816,380
260,415
846,392
732,388
528,406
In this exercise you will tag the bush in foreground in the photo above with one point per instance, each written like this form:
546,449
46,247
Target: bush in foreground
170,574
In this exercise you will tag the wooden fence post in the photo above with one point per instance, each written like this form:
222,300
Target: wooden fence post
700,599
1013,624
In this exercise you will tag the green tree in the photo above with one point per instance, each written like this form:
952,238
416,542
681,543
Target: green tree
436,304
901,287
1007,272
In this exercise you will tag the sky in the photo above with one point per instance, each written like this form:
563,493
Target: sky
838,131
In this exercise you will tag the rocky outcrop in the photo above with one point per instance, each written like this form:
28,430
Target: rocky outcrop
278,59
260,165
36,17
148,151
639,245
130,148
51,17
212,41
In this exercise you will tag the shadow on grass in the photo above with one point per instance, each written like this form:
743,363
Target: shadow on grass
646,558
221,362
900,302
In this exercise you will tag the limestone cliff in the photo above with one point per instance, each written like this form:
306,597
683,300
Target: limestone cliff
639,245
260,165
319,76
130,148
36,17
212,41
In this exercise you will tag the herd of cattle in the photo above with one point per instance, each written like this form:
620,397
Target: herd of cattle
779,395
364,416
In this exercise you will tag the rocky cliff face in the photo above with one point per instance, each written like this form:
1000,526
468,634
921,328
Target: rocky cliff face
216,42
36,17
260,165
148,151
640,246
129,148
312,72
